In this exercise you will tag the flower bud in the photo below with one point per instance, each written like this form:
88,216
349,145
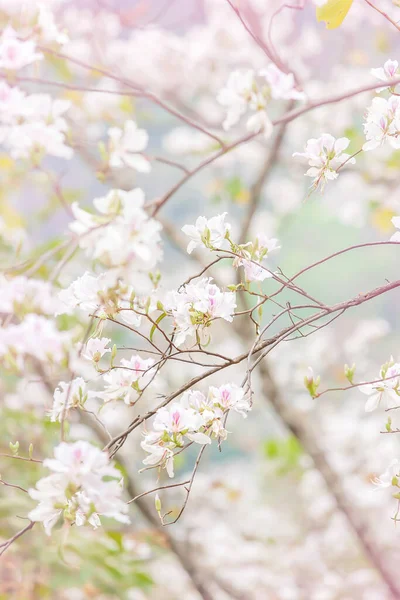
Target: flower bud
312,383
349,372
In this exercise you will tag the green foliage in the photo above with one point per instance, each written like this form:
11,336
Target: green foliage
287,452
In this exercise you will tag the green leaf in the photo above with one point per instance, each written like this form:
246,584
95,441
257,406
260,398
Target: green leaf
153,329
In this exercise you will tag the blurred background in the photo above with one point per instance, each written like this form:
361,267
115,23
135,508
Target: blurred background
287,510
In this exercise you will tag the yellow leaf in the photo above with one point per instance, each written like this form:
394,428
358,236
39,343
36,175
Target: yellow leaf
333,12
382,219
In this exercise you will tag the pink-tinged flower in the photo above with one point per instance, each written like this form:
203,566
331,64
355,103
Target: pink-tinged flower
126,146
382,123
209,233
127,381
14,53
175,418
324,156
282,85
96,348
251,256
77,490
230,397
196,305
386,391
387,73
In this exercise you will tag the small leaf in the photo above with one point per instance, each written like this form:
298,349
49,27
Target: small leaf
333,12
153,329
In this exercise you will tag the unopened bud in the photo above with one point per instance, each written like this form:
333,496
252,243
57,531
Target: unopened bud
349,372
14,448
312,383
157,503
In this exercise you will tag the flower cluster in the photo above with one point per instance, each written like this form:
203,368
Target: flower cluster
325,155
195,418
250,91
122,235
77,490
195,306
386,389
33,125
15,53
127,381
382,123
36,337
21,295
387,73
67,396
251,256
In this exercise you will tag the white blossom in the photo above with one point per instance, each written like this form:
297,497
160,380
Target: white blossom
14,53
386,391
386,73
67,396
382,123
96,348
324,156
126,146
77,490
196,305
211,233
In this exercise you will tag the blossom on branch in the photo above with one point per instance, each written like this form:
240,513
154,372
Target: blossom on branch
386,390
126,145
209,233
325,155
196,305
382,123
14,53
76,490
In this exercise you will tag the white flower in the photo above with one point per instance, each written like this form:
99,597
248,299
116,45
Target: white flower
127,381
96,348
32,140
324,156
282,85
386,73
396,236
385,480
122,235
236,95
48,30
87,293
210,233
258,122
382,123
245,91
31,295
67,396
252,255
387,390
196,305
14,53
126,146
230,397
175,418
76,490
